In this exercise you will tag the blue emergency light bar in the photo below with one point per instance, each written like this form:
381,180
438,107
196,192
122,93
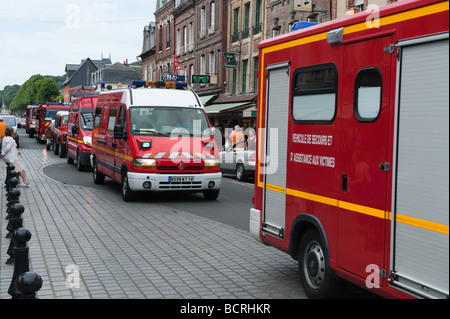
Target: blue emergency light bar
159,84
302,24
57,103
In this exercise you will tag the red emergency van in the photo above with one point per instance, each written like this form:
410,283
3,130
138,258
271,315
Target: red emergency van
60,133
79,133
352,173
30,120
156,137
46,113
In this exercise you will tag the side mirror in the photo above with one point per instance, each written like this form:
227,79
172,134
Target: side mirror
118,132
75,129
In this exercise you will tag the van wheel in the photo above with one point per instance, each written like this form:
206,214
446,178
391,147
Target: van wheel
62,152
55,148
69,159
79,166
211,194
99,178
127,193
316,278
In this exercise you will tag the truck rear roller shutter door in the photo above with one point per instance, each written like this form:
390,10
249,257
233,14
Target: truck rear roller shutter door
420,217
277,115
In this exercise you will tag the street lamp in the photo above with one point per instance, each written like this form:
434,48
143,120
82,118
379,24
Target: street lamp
182,73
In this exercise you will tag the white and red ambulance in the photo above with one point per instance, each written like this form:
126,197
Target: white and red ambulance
352,173
155,136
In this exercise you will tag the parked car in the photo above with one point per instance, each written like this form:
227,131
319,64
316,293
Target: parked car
239,162
12,122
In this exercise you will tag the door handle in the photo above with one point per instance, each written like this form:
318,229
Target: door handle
344,182
384,166
114,145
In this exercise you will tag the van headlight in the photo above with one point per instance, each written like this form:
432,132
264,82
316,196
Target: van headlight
212,163
87,140
144,163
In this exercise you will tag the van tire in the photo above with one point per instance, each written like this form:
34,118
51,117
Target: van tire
211,194
80,167
127,193
62,151
316,278
98,177
55,147
69,159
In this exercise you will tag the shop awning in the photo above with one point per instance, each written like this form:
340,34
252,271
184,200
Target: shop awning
219,108
206,98
249,112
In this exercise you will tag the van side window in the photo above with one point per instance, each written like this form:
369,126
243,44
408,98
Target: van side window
112,119
314,94
367,99
98,113
123,118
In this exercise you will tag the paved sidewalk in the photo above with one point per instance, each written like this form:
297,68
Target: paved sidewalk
135,250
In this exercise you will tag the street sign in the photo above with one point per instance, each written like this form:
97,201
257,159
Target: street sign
201,78
175,63
230,60
168,77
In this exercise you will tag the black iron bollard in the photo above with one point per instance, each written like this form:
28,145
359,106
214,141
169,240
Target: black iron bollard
13,198
16,211
11,182
9,167
21,262
28,284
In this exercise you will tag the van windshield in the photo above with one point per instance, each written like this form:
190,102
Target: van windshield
50,114
164,121
86,121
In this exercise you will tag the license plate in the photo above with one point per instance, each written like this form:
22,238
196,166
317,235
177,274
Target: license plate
181,178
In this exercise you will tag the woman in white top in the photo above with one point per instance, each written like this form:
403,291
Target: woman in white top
10,154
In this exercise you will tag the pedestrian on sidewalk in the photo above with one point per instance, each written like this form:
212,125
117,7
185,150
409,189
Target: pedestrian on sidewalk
10,155
3,126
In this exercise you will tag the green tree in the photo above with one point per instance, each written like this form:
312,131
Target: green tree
37,89
26,94
9,92
46,90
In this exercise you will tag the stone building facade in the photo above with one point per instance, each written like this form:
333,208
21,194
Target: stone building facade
200,33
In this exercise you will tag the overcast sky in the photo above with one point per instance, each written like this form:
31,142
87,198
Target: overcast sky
41,37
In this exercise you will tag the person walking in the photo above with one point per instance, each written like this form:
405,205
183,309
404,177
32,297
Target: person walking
3,126
237,138
9,154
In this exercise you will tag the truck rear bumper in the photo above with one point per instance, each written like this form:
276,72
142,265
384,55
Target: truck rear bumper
176,182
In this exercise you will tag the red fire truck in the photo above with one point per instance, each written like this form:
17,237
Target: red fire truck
352,175
46,113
